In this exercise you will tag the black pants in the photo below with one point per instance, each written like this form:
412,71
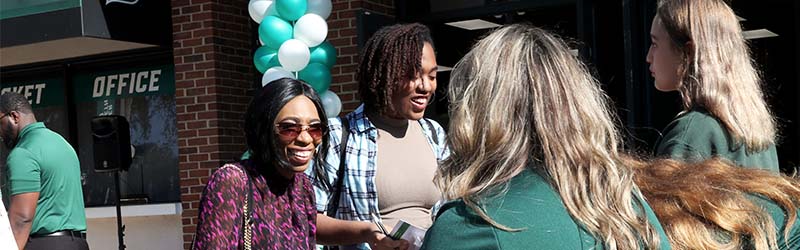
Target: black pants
56,242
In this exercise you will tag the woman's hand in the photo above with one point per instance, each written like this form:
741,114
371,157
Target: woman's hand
331,231
380,241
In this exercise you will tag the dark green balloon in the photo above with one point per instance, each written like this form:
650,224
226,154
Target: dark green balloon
325,53
291,10
265,58
317,75
274,31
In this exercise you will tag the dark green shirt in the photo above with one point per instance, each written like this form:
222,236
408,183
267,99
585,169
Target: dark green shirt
43,162
696,136
529,203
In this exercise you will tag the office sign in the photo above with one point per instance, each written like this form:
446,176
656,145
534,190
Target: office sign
141,81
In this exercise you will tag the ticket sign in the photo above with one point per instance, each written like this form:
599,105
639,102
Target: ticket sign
40,93
95,86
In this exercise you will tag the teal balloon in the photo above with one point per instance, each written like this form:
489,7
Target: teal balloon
317,75
274,31
291,10
265,58
325,53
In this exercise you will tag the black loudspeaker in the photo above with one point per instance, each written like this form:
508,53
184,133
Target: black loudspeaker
112,143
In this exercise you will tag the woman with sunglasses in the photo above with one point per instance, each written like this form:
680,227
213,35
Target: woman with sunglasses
283,126
698,50
392,152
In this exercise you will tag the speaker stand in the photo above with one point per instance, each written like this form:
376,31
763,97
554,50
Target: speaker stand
120,226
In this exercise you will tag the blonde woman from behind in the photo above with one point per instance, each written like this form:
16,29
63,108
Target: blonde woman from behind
534,158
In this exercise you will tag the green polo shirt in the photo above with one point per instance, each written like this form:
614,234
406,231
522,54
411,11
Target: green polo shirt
44,162
530,204
696,136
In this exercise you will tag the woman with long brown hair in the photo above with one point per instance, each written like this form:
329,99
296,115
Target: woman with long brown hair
698,50
715,205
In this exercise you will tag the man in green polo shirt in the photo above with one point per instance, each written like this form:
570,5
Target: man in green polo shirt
46,209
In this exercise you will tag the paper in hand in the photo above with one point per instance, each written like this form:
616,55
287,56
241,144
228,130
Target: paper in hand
414,235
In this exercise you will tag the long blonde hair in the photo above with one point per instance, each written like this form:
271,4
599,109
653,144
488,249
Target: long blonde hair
697,203
717,71
520,100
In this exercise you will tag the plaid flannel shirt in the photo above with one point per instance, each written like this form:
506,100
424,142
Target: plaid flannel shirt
359,198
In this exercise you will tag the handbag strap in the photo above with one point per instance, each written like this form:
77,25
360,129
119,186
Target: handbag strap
337,190
247,220
248,212
432,130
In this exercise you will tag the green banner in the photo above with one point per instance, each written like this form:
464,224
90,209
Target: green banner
40,93
142,81
17,8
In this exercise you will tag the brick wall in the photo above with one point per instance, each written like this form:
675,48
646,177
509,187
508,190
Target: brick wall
213,45
213,73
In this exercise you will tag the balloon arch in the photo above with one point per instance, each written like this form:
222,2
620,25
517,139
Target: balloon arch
292,35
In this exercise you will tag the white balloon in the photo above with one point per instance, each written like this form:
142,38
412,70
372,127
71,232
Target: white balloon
331,103
294,55
258,9
320,7
273,74
311,29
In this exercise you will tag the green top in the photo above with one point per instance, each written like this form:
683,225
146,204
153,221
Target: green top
530,204
697,135
44,162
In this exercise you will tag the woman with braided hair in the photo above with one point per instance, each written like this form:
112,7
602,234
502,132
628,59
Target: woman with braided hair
384,154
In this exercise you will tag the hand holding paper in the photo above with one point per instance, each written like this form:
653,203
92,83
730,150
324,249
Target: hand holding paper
414,235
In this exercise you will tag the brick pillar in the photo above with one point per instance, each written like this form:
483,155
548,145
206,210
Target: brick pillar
213,73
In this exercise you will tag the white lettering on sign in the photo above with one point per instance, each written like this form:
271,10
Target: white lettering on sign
131,2
139,77
134,82
97,90
153,80
28,91
122,83
110,83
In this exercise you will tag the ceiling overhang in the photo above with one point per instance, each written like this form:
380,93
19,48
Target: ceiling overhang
91,27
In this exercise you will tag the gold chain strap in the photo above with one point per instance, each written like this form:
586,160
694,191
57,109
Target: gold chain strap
248,223
248,228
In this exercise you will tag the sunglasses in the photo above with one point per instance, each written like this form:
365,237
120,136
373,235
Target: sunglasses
290,131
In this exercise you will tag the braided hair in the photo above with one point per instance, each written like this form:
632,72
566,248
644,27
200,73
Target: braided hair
390,59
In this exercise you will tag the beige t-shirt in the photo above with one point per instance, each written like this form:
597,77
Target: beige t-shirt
404,173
